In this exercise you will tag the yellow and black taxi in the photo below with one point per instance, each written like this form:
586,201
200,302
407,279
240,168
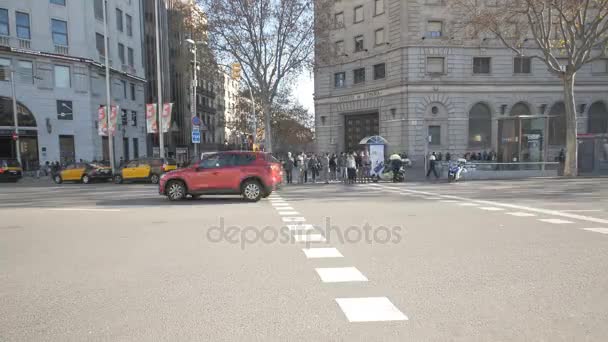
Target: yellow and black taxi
147,169
10,170
83,172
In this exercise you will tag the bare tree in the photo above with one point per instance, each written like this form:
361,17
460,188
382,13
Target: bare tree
564,34
272,40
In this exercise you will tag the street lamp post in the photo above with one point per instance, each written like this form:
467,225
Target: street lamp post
161,140
108,95
194,86
15,117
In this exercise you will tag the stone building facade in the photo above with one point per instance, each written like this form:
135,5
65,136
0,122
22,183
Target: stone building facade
55,49
398,68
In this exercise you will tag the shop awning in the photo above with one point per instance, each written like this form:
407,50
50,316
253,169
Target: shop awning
373,140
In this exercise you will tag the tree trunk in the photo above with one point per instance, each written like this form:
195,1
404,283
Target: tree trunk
267,107
570,166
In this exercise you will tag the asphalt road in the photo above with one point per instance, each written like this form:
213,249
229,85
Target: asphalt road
471,261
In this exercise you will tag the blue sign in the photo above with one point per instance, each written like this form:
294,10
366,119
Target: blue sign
196,121
196,137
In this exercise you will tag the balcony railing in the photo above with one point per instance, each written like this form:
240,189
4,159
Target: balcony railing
61,49
5,41
25,44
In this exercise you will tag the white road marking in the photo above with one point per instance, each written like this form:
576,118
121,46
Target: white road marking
370,309
317,253
448,201
468,204
294,219
491,208
582,210
514,206
304,227
433,198
555,221
597,230
521,214
287,213
80,209
309,238
284,208
340,274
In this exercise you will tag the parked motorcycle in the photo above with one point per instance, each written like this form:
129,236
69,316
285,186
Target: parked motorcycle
382,173
456,170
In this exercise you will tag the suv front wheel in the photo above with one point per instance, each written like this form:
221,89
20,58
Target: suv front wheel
175,191
252,190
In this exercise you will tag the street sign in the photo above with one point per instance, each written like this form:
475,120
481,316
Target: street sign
196,137
196,121
196,128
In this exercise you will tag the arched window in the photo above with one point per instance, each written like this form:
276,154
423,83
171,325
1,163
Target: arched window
520,109
557,124
598,118
25,117
480,126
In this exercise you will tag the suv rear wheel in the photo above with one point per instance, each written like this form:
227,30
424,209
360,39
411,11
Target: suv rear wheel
175,190
252,190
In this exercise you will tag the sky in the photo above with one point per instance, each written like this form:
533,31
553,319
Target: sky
303,90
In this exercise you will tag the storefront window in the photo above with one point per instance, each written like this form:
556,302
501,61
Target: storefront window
480,126
557,124
598,118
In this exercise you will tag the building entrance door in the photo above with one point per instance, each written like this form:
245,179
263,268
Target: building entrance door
357,127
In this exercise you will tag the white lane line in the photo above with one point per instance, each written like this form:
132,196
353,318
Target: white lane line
277,202
491,208
468,204
521,214
309,238
80,209
370,309
597,230
582,210
340,274
293,219
300,227
276,205
514,206
434,198
555,221
318,253
284,208
287,213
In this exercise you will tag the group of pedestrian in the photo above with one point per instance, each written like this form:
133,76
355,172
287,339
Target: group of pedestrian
324,167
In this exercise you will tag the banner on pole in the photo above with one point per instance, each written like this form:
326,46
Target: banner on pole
102,126
113,120
376,156
151,123
166,113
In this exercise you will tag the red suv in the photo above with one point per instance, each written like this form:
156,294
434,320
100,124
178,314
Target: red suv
252,174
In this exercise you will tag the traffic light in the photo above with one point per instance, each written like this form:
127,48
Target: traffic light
236,71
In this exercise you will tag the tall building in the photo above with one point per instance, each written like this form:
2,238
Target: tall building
398,68
230,99
56,50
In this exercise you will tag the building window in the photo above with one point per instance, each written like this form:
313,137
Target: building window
132,91
60,32
435,65
119,20
131,57
98,8
129,25
121,53
135,148
99,43
359,75
434,135
124,117
340,80
133,118
339,20
67,149
358,14
124,89
480,126
23,25
340,48
557,124
481,65
26,71
434,29
65,110
379,71
598,118
378,7
522,65
58,2
379,36
5,69
600,66
4,25
62,76
359,45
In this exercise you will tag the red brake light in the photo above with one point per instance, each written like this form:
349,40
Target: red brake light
1,170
